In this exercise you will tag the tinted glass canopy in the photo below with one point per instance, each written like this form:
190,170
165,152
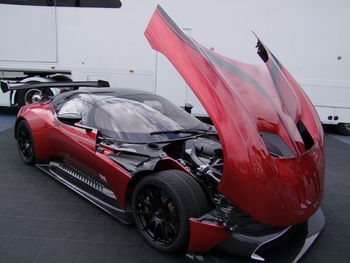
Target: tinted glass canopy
129,118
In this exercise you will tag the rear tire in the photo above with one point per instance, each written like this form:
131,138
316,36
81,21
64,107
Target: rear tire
162,204
25,142
344,129
25,97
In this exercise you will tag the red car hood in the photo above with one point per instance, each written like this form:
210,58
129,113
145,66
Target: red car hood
244,100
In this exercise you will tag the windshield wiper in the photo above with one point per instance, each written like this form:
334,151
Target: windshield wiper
189,131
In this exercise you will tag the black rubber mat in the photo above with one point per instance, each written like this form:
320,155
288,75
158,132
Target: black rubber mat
42,221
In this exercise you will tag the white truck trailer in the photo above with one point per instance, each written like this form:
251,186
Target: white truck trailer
101,40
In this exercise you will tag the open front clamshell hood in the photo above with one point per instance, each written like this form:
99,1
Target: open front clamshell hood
243,102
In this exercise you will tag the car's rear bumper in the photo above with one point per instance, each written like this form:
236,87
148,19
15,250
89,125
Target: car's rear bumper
204,236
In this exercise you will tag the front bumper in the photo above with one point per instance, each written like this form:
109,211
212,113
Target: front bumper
204,236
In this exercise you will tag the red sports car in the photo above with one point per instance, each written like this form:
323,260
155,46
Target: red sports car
250,181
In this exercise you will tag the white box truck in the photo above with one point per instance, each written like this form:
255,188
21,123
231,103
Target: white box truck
90,40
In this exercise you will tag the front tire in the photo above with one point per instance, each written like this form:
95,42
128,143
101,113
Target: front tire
25,142
162,204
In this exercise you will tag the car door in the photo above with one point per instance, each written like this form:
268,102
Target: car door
75,145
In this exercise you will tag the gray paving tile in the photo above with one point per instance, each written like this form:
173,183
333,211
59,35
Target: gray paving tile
330,257
310,257
113,253
4,240
42,221
20,250
62,251
23,208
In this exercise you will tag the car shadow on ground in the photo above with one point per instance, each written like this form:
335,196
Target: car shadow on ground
331,130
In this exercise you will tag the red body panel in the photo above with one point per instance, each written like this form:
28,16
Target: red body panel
55,140
116,177
38,117
243,100
204,236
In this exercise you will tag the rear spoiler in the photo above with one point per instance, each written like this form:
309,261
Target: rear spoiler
5,87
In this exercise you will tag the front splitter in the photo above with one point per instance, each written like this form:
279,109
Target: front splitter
297,238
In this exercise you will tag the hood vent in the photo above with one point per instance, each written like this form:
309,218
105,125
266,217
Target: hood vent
275,145
305,135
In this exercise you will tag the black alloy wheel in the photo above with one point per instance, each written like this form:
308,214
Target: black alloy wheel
157,215
25,142
162,204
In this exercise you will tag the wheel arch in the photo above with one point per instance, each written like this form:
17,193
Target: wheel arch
162,165
16,125
188,201
37,124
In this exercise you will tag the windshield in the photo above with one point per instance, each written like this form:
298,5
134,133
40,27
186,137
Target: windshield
133,120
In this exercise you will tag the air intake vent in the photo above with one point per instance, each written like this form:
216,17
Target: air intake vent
305,135
275,145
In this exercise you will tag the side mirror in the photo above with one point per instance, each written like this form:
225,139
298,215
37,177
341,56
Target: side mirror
69,118
188,107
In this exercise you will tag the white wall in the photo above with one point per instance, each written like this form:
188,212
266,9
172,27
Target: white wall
18,41
306,36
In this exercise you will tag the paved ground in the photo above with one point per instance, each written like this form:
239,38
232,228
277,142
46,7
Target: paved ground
7,117
331,131
42,221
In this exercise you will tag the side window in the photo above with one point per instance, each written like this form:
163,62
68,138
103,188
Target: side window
76,106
